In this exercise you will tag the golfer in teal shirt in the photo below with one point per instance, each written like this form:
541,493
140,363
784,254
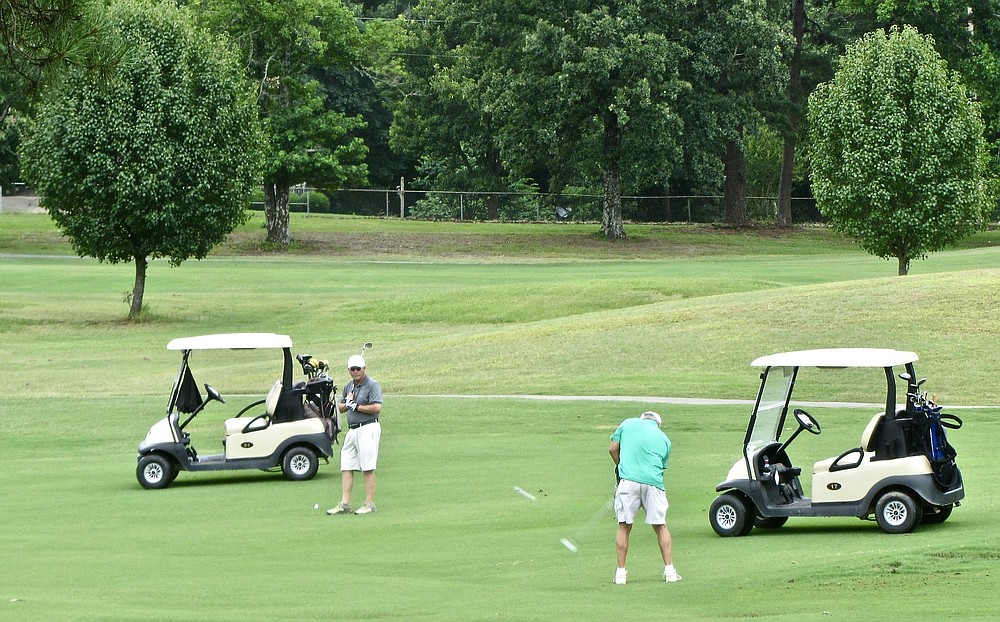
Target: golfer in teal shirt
640,451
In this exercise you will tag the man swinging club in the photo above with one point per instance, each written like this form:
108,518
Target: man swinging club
640,451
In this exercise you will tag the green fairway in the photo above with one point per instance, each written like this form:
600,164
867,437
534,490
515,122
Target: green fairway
457,313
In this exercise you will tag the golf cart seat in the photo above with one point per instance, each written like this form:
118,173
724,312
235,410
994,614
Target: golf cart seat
853,458
242,425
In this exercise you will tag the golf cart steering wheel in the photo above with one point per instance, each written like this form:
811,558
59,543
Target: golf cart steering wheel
806,421
213,394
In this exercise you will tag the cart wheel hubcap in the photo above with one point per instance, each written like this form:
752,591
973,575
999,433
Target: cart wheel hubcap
895,513
726,516
153,472
300,464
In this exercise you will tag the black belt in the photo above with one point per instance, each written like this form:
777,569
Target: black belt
355,426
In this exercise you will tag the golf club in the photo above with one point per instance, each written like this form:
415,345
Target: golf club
573,543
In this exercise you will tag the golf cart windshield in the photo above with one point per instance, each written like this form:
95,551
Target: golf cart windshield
781,369
769,414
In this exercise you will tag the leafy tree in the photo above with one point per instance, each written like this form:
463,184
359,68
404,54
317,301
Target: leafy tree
966,34
819,35
283,43
736,71
593,92
445,61
898,154
156,162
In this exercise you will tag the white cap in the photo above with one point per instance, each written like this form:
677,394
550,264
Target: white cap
652,415
356,361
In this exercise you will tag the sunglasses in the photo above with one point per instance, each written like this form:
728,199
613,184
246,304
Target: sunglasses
354,368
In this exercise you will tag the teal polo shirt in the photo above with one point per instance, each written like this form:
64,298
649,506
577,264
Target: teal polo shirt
644,451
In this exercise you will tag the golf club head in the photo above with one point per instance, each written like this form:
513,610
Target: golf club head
365,346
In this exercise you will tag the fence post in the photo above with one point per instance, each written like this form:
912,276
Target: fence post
402,197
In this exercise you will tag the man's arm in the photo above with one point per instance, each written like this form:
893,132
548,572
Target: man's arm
616,451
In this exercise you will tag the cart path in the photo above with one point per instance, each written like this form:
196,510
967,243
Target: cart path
690,401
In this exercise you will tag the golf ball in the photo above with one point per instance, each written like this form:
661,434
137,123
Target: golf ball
569,545
316,507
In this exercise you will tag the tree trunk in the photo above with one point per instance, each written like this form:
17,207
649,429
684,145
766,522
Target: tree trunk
783,213
139,288
496,170
276,213
783,216
492,206
735,189
612,226
904,264
611,216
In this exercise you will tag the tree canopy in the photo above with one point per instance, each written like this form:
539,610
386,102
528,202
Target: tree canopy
284,43
899,159
159,160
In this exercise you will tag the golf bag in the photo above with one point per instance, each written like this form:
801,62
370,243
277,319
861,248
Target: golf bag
317,391
928,437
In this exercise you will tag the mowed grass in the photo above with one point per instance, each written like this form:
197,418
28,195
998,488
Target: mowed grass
674,312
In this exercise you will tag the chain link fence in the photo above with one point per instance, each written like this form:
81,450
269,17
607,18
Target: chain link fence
541,207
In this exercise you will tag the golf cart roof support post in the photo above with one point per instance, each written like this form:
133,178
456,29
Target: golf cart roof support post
890,393
286,374
177,381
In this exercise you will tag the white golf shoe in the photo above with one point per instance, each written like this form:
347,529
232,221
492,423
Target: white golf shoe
620,576
341,508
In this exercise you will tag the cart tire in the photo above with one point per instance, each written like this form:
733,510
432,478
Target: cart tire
155,471
897,512
730,517
299,464
939,516
770,522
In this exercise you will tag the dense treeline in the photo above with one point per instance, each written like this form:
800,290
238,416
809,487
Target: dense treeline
640,97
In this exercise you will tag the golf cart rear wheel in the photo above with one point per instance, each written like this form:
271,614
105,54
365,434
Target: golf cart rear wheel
299,464
155,471
897,512
730,517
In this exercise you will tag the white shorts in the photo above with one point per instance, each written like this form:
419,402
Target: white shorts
360,450
629,496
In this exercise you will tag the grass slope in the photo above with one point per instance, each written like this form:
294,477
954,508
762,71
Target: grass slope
474,309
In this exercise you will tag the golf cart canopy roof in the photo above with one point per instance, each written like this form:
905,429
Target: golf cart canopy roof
231,341
837,358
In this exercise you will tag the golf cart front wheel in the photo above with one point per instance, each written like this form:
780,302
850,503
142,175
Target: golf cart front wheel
299,464
897,512
730,517
155,471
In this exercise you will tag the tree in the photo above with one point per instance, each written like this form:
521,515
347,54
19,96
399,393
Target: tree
448,62
736,71
283,42
898,154
594,91
40,38
158,161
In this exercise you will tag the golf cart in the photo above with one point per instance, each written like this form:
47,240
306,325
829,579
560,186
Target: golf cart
903,471
291,428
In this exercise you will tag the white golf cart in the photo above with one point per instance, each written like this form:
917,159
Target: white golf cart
903,471
291,428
